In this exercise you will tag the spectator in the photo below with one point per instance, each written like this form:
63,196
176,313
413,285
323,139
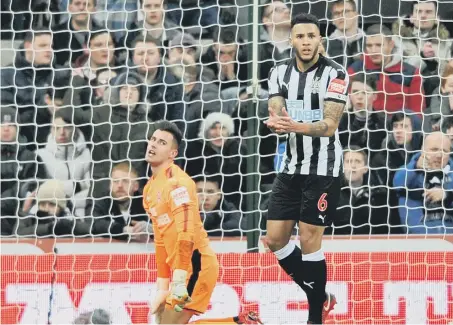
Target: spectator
447,128
52,218
101,86
121,215
120,129
53,100
345,44
275,37
403,141
101,55
425,42
425,188
363,126
194,13
67,158
220,217
25,82
362,209
441,106
152,22
20,169
268,140
399,84
227,58
217,151
184,48
165,93
70,36
200,98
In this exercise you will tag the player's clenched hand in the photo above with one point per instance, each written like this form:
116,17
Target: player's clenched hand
178,291
285,124
273,120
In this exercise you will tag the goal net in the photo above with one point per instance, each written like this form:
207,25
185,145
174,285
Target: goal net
83,83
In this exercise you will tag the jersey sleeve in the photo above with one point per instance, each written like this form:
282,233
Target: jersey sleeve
273,83
337,89
182,201
163,269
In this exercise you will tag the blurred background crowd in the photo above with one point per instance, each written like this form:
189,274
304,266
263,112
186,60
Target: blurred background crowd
88,78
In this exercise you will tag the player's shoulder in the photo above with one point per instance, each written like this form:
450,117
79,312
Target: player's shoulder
335,66
281,66
176,177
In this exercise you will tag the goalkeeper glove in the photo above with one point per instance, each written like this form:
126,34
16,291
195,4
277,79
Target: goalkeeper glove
158,304
178,291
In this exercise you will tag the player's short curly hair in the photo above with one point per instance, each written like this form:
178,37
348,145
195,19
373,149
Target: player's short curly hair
172,128
305,18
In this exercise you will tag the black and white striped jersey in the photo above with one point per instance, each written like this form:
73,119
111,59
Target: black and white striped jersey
305,94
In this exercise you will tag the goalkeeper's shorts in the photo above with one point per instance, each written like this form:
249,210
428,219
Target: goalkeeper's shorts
201,281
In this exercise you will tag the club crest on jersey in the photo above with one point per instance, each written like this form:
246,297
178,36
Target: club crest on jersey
315,85
337,86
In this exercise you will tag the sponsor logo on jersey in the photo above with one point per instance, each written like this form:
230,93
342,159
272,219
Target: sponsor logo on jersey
337,86
163,220
180,196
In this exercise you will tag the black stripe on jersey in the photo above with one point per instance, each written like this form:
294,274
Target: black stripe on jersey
301,86
331,156
316,141
288,156
300,137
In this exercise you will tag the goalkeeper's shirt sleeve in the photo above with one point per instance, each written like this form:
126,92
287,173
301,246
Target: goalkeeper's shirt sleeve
163,269
183,204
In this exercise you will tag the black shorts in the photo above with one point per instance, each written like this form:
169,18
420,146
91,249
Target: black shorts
311,199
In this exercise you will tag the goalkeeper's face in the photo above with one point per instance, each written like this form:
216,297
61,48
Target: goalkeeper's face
305,39
161,149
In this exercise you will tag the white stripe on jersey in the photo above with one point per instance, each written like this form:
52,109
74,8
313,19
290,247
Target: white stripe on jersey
305,94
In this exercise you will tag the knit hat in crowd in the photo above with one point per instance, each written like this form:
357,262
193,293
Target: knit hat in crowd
52,191
9,115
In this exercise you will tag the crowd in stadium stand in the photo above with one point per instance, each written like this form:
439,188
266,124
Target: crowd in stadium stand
80,100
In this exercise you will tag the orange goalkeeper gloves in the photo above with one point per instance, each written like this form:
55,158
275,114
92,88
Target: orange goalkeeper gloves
178,290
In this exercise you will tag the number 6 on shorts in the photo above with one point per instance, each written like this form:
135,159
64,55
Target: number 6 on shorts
322,202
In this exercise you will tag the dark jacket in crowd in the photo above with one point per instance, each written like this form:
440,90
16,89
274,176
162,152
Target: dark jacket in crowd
345,51
224,220
108,221
68,46
361,211
44,225
241,66
118,134
20,172
367,132
25,86
165,96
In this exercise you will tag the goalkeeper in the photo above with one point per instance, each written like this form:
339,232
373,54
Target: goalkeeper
183,251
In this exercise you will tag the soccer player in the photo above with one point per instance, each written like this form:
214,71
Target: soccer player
307,95
183,251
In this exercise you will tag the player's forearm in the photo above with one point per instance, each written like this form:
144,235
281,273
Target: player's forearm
163,269
324,128
184,218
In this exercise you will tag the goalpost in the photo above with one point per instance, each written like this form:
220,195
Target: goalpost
377,279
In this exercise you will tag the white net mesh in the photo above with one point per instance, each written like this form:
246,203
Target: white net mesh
83,83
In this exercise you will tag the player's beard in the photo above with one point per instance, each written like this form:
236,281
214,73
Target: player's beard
305,61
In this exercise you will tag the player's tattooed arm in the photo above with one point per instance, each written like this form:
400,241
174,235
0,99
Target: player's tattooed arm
333,111
276,104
